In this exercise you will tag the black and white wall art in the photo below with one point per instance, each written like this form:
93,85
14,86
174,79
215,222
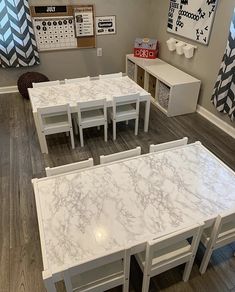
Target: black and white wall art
192,19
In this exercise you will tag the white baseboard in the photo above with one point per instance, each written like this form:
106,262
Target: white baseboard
8,89
216,121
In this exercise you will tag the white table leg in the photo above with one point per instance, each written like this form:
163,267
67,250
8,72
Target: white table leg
48,281
147,112
41,138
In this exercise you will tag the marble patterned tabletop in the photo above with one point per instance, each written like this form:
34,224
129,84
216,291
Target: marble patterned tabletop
86,213
84,91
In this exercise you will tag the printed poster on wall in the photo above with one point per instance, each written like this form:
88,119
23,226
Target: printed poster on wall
105,25
84,25
192,19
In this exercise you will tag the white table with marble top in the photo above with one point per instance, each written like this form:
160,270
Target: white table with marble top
86,213
85,91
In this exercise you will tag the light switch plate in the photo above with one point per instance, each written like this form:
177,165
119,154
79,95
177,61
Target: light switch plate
99,52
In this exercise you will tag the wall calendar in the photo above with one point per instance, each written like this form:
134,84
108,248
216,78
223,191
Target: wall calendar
192,19
63,27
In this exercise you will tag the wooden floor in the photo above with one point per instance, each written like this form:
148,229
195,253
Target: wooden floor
21,160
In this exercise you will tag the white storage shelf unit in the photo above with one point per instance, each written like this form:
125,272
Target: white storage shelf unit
176,92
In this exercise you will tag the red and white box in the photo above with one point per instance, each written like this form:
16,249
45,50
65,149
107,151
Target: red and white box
146,48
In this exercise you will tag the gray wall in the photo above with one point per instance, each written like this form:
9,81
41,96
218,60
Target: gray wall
132,19
207,59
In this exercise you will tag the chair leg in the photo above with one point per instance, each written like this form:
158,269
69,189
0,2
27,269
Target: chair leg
67,282
125,287
81,136
136,125
205,260
105,132
50,286
72,139
146,281
114,130
45,142
188,269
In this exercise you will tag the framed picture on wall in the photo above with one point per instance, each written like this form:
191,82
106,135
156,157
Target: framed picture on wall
192,19
105,25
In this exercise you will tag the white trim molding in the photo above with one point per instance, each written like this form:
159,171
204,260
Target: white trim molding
216,121
8,89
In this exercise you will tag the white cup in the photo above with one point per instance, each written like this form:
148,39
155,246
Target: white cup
171,44
179,47
188,51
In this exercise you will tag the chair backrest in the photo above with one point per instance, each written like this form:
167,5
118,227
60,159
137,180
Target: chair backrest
77,80
102,284
223,231
181,235
108,76
69,167
168,145
133,99
52,111
120,155
91,105
45,84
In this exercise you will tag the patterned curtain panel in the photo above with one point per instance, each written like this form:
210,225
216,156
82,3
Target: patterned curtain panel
224,92
17,41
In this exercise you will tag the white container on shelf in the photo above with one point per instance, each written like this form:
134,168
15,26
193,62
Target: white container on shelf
171,44
179,48
189,51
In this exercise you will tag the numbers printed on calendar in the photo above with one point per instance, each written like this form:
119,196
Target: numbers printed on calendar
50,9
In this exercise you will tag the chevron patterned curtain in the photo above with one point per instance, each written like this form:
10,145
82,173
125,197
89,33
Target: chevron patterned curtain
17,41
224,92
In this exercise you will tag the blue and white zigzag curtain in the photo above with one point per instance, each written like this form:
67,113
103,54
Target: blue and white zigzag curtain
17,41
224,92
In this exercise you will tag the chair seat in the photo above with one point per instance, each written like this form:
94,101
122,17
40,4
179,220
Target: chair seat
94,115
49,119
124,111
161,257
98,276
227,229
57,121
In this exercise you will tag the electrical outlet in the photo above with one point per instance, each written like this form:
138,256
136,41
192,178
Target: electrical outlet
99,52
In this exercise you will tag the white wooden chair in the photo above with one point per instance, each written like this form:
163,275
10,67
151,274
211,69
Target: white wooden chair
108,76
69,167
55,119
221,234
76,80
120,155
45,84
100,274
125,108
168,252
92,114
168,145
